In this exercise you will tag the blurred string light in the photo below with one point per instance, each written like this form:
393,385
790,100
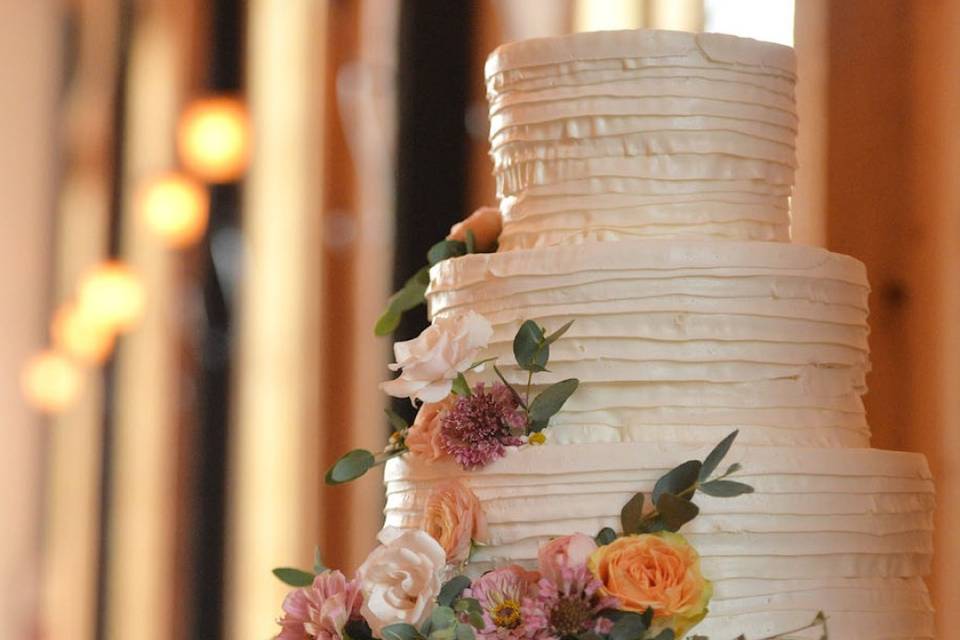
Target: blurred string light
176,208
81,335
213,139
50,381
112,295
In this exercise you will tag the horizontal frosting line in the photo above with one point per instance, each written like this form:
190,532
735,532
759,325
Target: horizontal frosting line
696,417
599,127
891,625
715,48
690,209
724,232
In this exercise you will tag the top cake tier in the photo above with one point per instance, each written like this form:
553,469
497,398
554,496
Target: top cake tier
615,135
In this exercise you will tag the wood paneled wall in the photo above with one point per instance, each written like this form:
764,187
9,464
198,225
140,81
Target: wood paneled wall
894,202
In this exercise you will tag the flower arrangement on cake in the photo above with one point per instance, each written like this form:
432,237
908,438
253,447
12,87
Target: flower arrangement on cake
643,582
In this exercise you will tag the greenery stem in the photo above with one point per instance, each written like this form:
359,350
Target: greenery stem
519,398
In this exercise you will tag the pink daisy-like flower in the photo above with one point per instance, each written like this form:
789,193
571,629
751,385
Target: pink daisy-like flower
321,610
501,594
567,608
479,427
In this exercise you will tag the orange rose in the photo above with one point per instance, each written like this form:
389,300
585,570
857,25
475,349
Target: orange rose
659,570
485,223
454,518
423,437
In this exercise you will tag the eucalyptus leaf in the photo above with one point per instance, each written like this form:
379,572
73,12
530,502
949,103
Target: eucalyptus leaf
410,296
318,566
732,469
630,626
446,249
528,346
550,401
397,422
357,629
447,633
294,577
631,516
388,322
476,620
678,480
553,337
666,634
452,590
468,605
605,536
465,632
471,243
713,460
442,617
400,631
460,386
725,488
675,511
350,466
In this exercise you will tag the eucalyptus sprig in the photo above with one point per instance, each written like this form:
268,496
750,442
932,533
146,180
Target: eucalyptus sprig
673,493
413,293
298,577
357,462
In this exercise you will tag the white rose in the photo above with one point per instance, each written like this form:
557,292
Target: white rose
432,360
401,578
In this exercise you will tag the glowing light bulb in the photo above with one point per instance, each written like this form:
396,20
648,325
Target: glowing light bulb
213,138
50,381
113,296
81,335
176,208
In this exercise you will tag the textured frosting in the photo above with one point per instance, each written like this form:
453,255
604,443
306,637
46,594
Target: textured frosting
657,134
683,341
845,531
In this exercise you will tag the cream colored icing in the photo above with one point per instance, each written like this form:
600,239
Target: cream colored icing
844,531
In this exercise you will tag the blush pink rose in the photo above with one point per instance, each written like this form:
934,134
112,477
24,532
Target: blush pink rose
485,223
423,438
454,518
567,552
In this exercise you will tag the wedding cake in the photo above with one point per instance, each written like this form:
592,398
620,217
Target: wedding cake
644,180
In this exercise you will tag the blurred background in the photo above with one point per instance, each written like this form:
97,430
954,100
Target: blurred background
207,202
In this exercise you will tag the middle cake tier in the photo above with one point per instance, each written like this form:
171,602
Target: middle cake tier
682,341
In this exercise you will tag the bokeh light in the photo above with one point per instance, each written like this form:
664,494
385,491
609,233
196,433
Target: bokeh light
213,138
176,208
81,335
50,381
112,295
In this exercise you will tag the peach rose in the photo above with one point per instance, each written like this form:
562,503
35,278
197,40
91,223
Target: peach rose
423,437
485,223
659,570
454,518
560,553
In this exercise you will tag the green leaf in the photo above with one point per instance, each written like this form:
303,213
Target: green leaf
550,401
676,512
397,422
553,337
471,243
631,516
468,605
451,590
388,322
732,469
461,387
400,631
447,633
350,466
630,626
446,249
443,617
716,456
476,620
318,566
677,480
294,577
357,629
410,296
465,632
605,536
666,634
528,346
725,488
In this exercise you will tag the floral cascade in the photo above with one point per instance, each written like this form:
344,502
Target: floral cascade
642,582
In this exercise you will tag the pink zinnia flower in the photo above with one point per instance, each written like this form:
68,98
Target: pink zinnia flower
321,610
568,607
479,427
501,594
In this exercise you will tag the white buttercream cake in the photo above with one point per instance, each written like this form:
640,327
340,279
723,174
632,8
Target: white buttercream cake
644,181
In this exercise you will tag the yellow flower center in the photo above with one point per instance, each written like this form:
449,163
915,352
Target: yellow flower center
506,614
537,438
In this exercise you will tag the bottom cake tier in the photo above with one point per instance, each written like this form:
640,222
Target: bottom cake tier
843,531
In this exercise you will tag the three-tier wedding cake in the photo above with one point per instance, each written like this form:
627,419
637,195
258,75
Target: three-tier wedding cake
644,180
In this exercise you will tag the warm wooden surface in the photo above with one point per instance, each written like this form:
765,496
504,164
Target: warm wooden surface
894,202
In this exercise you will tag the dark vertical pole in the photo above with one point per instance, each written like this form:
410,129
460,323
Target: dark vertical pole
125,17
225,74
432,92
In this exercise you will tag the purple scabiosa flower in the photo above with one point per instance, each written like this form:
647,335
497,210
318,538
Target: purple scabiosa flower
568,607
479,427
501,594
